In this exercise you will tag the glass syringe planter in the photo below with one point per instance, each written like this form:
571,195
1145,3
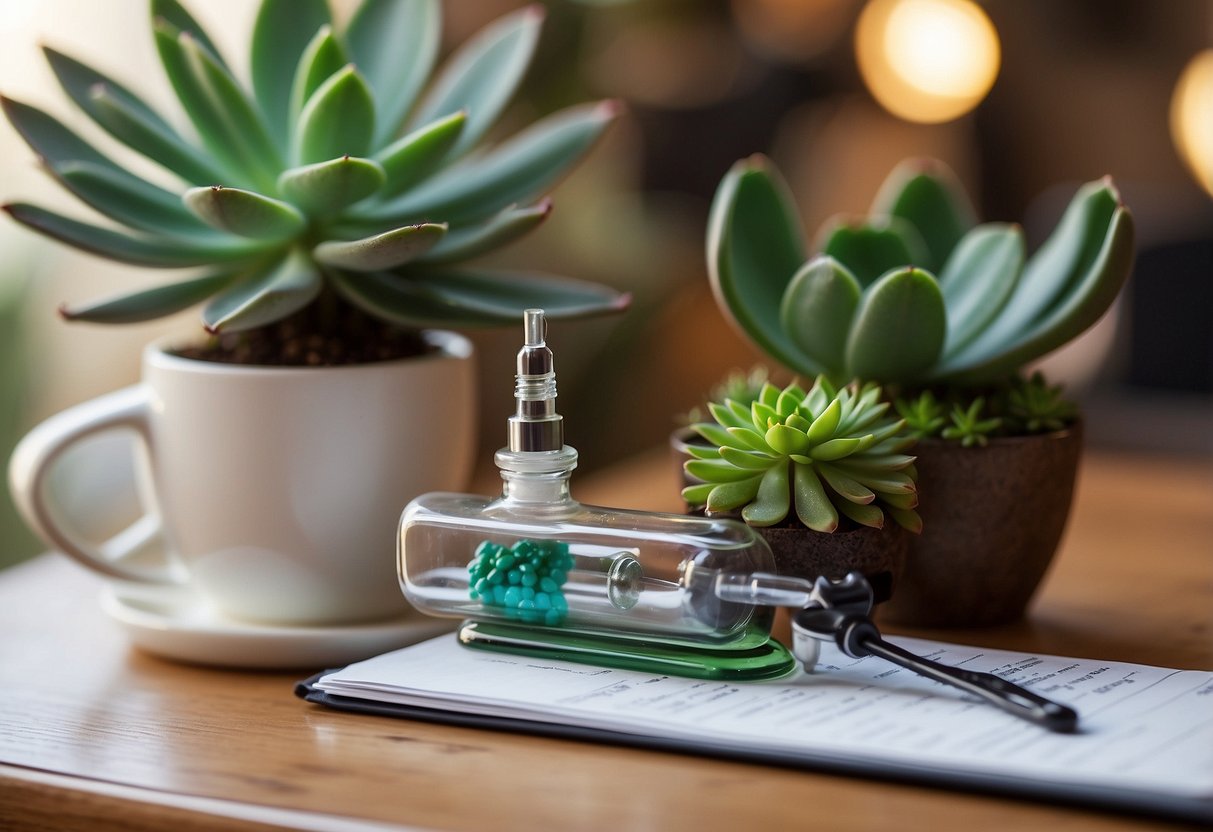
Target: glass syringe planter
535,571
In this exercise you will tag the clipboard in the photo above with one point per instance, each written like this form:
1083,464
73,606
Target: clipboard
1118,800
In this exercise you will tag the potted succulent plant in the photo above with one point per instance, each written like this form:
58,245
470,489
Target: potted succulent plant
815,473
920,298
330,206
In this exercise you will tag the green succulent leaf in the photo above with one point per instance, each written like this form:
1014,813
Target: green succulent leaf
481,77
1085,304
874,463
52,141
326,188
149,303
245,213
1065,257
873,247
823,426
761,415
883,482
768,394
718,436
750,438
703,452
865,515
813,506
785,440
697,495
261,298
710,470
237,120
833,449
174,14
732,495
395,43
978,280
471,299
402,301
283,31
502,297
907,519
322,58
755,246
163,252
726,417
864,412
745,459
817,309
1073,258
899,328
799,422
927,194
412,158
337,120
128,118
819,395
130,200
788,401
906,500
382,252
518,170
474,240
772,499
61,149
850,489
148,136
196,102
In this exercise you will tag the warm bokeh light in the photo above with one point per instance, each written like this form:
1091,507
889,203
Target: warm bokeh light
927,60
1192,118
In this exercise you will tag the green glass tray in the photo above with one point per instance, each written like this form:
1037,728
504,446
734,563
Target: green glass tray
769,660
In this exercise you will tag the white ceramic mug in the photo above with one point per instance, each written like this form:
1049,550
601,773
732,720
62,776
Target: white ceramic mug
273,492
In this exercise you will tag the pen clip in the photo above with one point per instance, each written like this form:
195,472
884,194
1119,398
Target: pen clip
857,637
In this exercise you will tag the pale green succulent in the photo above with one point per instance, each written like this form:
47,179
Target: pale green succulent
828,451
1032,405
924,415
342,172
916,294
1019,407
969,426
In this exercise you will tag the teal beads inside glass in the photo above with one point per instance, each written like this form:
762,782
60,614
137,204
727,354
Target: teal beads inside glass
524,580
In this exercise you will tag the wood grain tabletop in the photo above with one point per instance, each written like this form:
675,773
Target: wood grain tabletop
95,735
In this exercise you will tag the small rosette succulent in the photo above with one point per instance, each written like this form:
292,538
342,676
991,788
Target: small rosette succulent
917,293
341,170
827,451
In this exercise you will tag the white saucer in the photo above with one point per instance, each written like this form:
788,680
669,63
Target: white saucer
176,624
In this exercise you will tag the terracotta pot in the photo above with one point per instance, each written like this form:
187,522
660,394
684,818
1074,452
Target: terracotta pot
880,554
992,520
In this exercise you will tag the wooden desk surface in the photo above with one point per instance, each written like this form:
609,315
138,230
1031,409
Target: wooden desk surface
95,735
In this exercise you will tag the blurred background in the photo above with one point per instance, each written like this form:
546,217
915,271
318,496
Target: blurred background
1024,99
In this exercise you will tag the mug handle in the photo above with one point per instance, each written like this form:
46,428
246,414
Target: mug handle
28,479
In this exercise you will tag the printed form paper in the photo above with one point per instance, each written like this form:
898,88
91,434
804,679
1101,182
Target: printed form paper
1142,728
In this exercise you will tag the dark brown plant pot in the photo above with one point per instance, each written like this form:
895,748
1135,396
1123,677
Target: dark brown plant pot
992,519
880,554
